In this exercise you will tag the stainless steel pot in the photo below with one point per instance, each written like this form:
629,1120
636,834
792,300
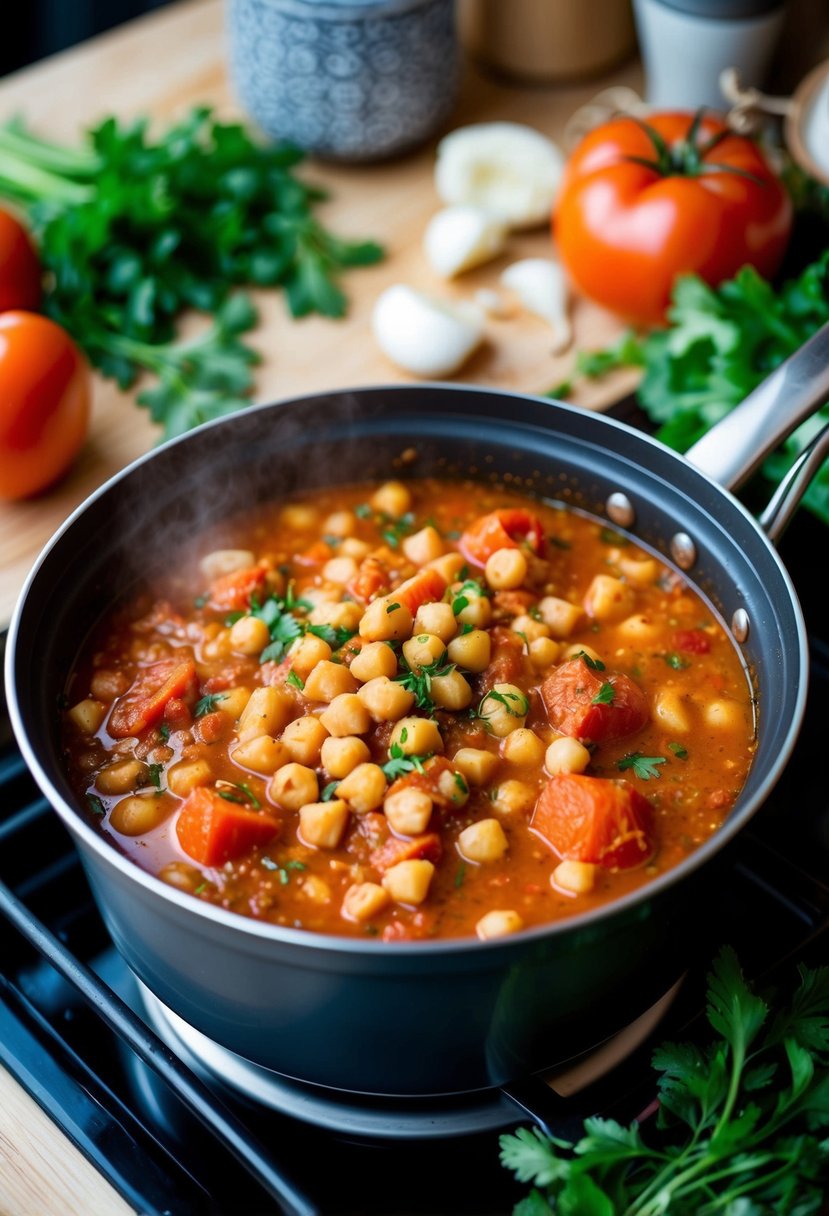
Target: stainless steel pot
429,1017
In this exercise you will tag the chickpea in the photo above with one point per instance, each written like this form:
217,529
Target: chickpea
122,777
423,546
249,635
217,647
576,649
364,900
478,610
416,736
475,764
340,570
560,616
408,881
453,787
87,715
264,755
723,715
472,651
671,712
530,627
298,517
543,653
306,652
437,618
579,877
292,786
385,700
566,755
523,746
375,659
346,715
638,628
608,599
514,798
505,569
339,523
483,841
304,738
181,875
641,571
423,649
340,756
385,619
138,813
328,680
504,709
267,711
186,776
341,614
408,811
392,498
353,547
323,824
498,923
449,566
226,561
451,691
364,788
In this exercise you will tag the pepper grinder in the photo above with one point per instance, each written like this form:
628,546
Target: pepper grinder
686,44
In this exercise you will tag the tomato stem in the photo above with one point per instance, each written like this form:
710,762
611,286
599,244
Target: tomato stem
687,157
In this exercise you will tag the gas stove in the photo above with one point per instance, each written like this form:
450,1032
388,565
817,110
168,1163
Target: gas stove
180,1126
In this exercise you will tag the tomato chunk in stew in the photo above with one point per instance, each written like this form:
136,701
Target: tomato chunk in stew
419,709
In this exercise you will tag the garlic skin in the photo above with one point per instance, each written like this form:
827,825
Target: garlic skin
462,236
541,286
506,168
428,338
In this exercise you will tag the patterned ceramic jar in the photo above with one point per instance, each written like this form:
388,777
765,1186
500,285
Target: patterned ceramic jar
357,80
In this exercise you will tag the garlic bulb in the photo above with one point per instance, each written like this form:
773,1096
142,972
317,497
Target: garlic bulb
427,337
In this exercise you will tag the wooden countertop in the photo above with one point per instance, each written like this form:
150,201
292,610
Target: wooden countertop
162,64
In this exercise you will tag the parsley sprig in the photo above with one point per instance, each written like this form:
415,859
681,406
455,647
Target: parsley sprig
134,228
418,680
645,767
399,763
285,627
738,1131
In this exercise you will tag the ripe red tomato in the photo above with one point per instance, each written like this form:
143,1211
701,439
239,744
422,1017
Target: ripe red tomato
644,201
45,396
19,266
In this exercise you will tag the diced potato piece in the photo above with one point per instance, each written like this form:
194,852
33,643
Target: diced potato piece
543,653
87,715
340,756
438,618
408,811
423,649
138,813
560,616
416,736
385,619
498,923
384,699
476,764
364,788
182,875
609,599
566,755
106,684
315,889
451,691
328,680
292,786
340,569
641,572
353,547
249,635
504,709
514,797
217,646
576,876
233,701
375,659
530,627
304,738
339,523
392,498
122,777
722,714
264,755
423,546
306,652
483,841
266,713
323,824
471,651
342,614
187,775
346,715
638,628
671,711
576,648
505,569
298,517
523,746
225,561
408,881
364,900
448,566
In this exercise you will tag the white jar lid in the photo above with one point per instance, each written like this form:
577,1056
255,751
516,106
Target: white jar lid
807,124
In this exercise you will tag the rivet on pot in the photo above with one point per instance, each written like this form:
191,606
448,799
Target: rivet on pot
683,550
620,509
740,625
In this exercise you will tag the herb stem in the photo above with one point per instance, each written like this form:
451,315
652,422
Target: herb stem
30,182
63,161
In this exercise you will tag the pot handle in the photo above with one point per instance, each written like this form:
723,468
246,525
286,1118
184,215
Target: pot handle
736,447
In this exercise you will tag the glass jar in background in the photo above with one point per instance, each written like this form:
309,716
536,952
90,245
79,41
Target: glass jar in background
544,41
347,80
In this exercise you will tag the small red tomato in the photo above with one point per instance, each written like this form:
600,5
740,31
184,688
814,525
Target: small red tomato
642,202
45,397
19,266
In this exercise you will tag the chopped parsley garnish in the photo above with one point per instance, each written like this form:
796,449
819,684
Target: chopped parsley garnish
396,528
207,703
335,635
200,601
419,682
605,695
524,639
332,541
674,661
284,627
460,875
679,751
644,767
363,511
392,607
201,887
329,791
296,681
470,587
515,703
164,731
399,763
95,804
559,543
461,783
239,792
593,664
609,537
155,775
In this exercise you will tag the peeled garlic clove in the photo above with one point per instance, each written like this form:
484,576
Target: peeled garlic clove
460,237
507,168
541,286
427,337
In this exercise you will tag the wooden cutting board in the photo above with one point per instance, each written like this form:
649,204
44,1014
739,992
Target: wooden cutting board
163,64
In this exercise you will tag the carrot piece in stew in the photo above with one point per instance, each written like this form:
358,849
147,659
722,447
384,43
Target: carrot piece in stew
154,688
212,830
233,592
595,819
592,706
507,528
422,588
371,578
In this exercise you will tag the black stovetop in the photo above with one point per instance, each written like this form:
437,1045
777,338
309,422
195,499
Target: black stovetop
772,906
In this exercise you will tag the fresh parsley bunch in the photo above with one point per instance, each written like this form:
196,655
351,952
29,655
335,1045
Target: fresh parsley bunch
132,230
740,1129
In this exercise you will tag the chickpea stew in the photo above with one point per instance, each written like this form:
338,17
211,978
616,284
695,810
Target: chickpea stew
412,710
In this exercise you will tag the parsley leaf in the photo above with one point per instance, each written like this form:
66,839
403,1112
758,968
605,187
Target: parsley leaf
399,763
516,704
207,703
419,680
605,695
644,767
593,664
